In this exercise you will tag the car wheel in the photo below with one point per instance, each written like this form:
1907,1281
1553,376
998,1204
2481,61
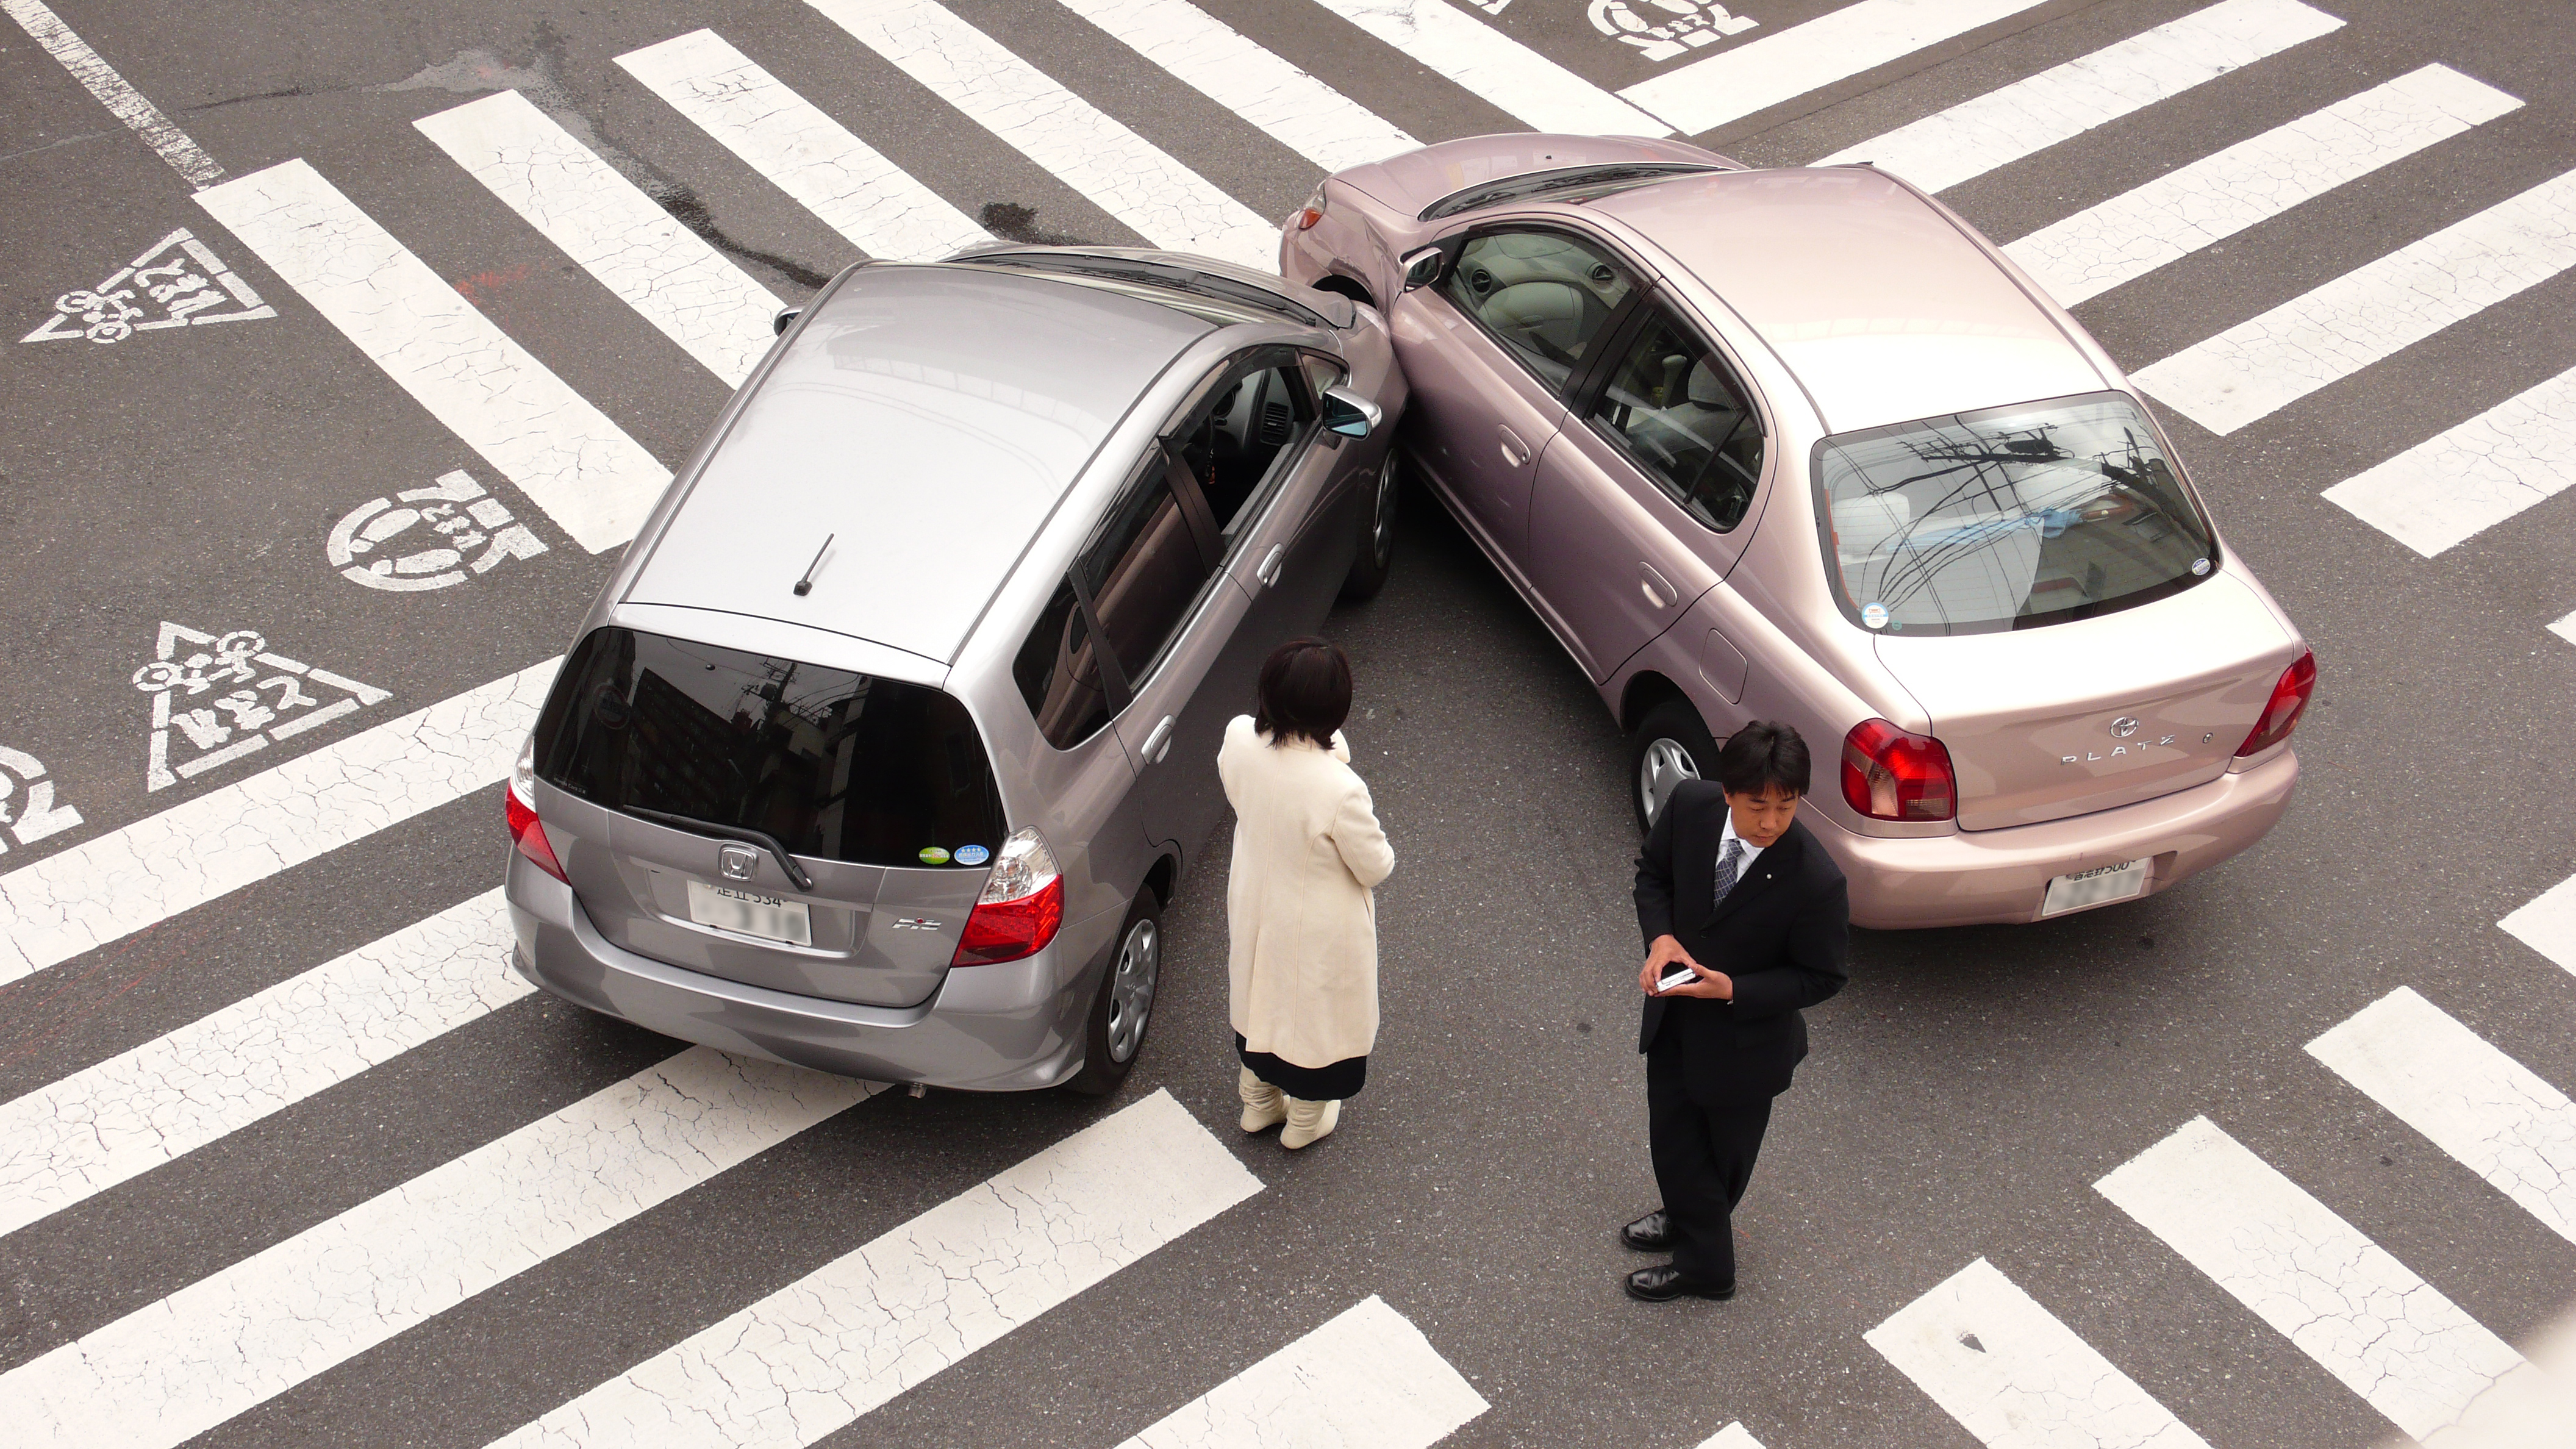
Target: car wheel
1124,1008
1377,535
1671,745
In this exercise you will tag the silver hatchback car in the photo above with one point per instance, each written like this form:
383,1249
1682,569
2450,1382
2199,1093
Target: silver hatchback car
893,733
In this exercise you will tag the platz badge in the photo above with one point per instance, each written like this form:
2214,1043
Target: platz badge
226,697
175,284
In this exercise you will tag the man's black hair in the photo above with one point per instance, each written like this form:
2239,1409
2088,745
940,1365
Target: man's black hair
1762,754
1305,690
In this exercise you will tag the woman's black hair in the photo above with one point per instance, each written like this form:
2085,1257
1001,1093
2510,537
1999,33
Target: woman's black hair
1305,690
1761,755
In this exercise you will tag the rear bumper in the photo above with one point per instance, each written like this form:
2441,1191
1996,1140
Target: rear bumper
1014,1027
1977,877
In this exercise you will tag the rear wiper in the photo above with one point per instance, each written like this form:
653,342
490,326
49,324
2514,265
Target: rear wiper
743,833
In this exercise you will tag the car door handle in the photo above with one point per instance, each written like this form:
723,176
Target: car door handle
1159,743
1271,564
1658,593
1515,452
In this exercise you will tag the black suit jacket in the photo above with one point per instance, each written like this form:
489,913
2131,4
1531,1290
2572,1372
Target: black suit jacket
1783,934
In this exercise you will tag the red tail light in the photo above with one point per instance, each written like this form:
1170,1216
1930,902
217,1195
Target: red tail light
1021,907
2289,701
528,833
1891,775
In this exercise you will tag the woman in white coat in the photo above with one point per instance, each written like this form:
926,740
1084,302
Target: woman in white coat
1307,853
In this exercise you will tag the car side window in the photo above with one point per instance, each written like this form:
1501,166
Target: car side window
1547,297
1238,440
1144,570
1674,407
1058,672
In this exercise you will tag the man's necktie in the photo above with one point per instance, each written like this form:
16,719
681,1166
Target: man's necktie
1726,868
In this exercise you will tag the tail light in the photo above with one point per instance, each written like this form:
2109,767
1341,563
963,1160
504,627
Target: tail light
1891,775
527,832
1022,904
1311,213
2289,701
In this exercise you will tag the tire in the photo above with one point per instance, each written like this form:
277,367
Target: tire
1376,556
1113,1035
1671,744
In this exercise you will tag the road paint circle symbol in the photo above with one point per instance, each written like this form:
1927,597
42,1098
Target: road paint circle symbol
427,538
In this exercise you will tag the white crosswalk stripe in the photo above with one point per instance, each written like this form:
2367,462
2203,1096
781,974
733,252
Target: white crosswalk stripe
2565,628
2216,197
2364,1317
818,1353
2467,479
2015,1376
2492,1114
1366,1379
84,1134
1733,1436
878,206
1756,75
1119,171
1214,59
2547,923
593,480
1507,75
2065,101
202,849
621,236
176,1368
2371,313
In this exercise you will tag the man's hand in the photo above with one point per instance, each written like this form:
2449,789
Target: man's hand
1711,985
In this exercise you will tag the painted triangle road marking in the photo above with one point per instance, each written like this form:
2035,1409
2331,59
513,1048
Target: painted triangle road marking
178,282
267,701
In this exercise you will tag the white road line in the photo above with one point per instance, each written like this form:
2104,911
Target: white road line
1298,111
2015,1376
170,1371
129,105
2064,101
1733,1436
2462,481
857,192
663,270
2565,628
1119,171
141,874
2366,1318
818,1353
587,474
2547,922
2372,312
2495,1116
80,1136
1509,76
1760,74
1366,1379
2223,193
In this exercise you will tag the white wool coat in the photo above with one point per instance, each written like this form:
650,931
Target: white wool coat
1303,925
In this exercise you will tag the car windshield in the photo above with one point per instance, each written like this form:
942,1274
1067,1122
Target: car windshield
1575,183
1159,276
835,765
2006,519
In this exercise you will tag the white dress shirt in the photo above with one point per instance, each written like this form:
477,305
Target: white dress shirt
1745,856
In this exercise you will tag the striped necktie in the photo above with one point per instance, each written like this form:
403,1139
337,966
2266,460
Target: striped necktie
1726,868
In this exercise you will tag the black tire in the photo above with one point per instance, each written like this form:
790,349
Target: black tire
1121,1014
1376,556
1670,744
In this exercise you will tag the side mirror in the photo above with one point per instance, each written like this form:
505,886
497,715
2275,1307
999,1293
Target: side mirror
1349,414
1422,268
785,319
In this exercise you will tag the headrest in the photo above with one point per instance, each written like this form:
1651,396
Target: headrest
1707,390
1532,302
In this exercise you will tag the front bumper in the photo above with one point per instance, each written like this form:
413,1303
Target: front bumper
1978,877
1013,1027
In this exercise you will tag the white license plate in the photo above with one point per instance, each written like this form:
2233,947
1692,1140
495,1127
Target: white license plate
2093,887
750,913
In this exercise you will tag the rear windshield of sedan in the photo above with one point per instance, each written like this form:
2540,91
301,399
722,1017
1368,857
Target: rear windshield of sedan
836,765
2006,519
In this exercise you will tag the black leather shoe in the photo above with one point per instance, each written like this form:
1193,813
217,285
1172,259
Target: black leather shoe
1652,1233
1663,1283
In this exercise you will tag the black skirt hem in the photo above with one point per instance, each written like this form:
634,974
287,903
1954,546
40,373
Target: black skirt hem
1338,1082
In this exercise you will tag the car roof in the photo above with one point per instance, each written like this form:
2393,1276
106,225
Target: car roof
926,419
1875,299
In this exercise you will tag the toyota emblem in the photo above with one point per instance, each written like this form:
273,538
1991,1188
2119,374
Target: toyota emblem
737,862
2123,727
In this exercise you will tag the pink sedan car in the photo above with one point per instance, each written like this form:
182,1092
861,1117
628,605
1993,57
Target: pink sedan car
1802,445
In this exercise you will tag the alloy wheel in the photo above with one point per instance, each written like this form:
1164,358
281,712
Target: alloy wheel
1131,989
1382,521
1665,764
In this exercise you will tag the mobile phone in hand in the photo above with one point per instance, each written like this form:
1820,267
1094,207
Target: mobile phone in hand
1676,973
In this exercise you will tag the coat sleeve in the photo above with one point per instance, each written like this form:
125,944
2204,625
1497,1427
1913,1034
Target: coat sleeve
1655,878
1359,838
1813,965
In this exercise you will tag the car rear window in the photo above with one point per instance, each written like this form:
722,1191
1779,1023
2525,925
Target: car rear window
836,765
2006,519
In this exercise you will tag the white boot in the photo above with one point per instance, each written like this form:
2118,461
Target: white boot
1264,1106
1309,1122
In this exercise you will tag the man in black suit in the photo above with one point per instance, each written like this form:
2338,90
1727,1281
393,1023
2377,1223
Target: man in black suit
1733,887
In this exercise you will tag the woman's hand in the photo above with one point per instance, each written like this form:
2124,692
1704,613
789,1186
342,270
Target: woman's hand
1711,985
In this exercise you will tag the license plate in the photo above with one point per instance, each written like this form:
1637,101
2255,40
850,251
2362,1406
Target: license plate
750,913
2093,887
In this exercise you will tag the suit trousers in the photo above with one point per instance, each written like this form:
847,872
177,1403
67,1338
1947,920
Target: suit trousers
1703,1159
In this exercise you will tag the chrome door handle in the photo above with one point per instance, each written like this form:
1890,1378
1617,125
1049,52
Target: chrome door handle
1515,452
1271,563
1658,593
1159,743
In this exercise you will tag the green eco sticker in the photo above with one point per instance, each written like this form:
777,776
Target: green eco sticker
933,855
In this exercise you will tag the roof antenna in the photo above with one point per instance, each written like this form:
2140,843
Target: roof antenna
805,585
